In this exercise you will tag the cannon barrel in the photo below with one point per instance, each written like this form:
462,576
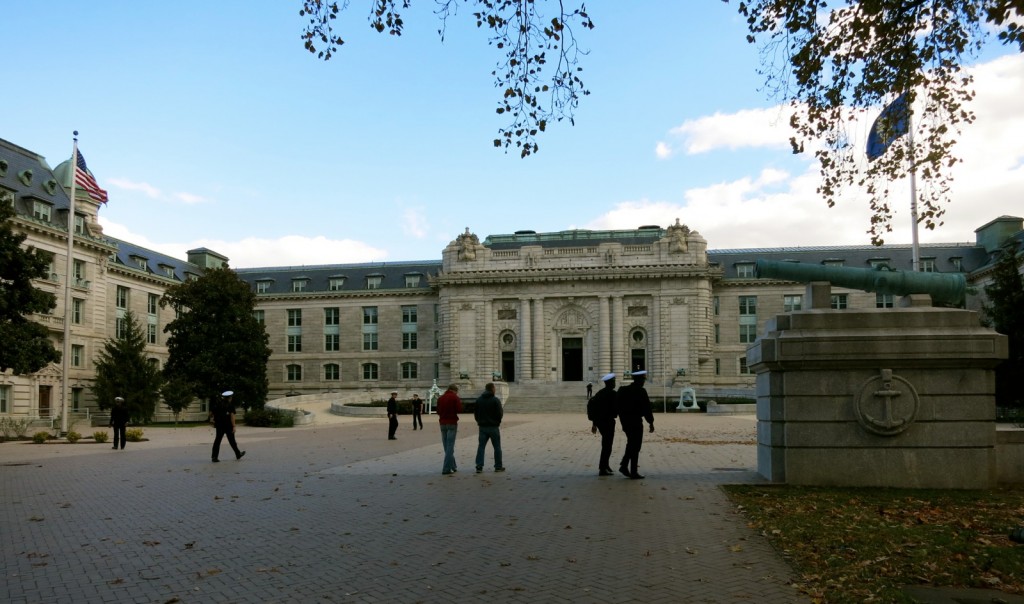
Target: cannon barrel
946,289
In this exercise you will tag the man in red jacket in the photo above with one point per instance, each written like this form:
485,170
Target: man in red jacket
449,406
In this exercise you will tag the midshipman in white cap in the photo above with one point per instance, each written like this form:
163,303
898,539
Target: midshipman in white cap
601,411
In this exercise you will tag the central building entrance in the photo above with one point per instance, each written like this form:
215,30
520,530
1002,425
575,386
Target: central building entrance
572,359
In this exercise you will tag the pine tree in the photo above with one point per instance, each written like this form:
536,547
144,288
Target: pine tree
1004,312
25,346
122,369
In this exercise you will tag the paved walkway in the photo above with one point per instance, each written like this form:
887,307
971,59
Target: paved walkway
334,512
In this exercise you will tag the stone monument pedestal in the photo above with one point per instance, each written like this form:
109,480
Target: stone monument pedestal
881,397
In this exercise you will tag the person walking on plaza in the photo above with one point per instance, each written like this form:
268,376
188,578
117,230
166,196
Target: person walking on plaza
488,414
392,415
417,411
634,407
590,390
601,412
119,421
223,415
449,406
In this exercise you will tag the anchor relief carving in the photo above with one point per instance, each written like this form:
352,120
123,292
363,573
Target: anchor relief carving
887,404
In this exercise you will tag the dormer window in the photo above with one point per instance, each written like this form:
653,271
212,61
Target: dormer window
374,281
877,263
167,270
745,270
832,262
958,263
335,284
927,265
299,285
140,262
191,277
412,280
79,224
41,210
262,287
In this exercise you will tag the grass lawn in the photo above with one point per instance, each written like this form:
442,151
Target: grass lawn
864,545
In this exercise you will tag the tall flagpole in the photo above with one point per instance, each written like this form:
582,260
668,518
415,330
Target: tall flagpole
66,360
915,248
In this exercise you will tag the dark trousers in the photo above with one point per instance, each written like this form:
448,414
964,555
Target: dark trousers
223,431
634,440
607,431
119,437
392,425
417,419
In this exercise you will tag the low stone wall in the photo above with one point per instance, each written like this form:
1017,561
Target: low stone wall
1010,456
352,410
731,409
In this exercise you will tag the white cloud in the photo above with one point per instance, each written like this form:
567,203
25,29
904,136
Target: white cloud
663,150
189,198
128,185
414,223
772,208
288,250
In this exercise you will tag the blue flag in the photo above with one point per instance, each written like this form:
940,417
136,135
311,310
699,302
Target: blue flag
892,123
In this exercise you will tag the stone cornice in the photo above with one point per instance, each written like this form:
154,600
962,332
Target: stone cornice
584,273
44,228
139,275
346,295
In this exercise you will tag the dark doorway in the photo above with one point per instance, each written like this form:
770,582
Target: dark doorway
572,359
638,360
508,366
44,401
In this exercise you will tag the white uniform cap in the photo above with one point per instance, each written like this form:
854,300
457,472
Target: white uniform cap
227,393
606,377
394,392
639,373
118,398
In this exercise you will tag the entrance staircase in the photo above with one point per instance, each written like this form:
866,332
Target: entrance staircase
544,397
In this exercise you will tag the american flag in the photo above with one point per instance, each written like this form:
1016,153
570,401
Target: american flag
87,182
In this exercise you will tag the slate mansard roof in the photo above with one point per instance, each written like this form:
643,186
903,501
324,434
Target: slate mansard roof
278,279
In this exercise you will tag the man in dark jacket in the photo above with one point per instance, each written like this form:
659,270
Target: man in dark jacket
634,408
119,421
488,414
223,415
601,413
392,415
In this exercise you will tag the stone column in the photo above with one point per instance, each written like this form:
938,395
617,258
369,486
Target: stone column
619,354
489,341
604,356
525,340
540,351
656,362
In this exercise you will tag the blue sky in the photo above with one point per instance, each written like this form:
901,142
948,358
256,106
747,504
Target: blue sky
210,125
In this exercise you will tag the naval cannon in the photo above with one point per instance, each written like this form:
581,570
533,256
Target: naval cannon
946,289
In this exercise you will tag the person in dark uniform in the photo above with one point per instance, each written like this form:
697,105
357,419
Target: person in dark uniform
223,415
634,408
590,390
392,415
601,413
119,421
417,412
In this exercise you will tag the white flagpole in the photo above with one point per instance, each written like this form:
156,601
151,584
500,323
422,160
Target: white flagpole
66,360
915,248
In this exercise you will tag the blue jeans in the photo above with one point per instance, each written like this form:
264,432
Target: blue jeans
492,433
448,432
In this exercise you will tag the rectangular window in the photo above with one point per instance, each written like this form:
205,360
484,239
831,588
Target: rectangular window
41,211
332,316
262,287
374,281
77,355
370,341
884,300
335,284
412,280
791,303
958,264
369,371
122,297
718,333
294,317
298,285
409,314
832,262
294,343
152,303
5,399
369,315
151,333
409,371
718,366
714,303
744,370
409,341
745,270
77,311
260,316
120,327
76,399
748,319
332,342
78,270
79,224
294,373
332,372
927,265
838,301
878,262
